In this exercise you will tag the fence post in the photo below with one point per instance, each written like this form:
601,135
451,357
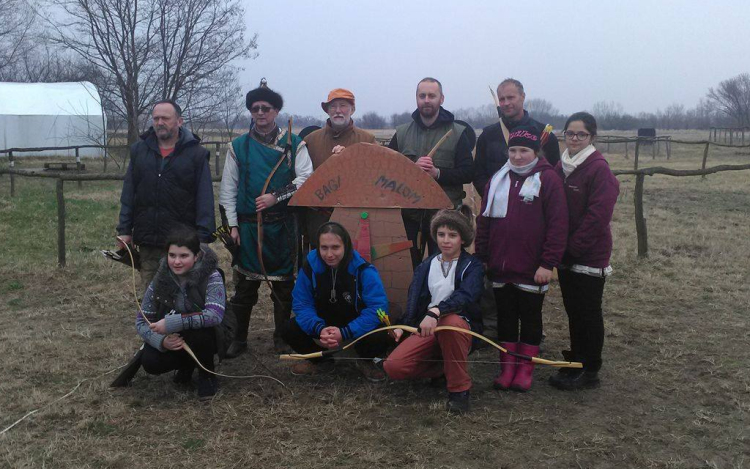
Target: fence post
654,143
668,144
637,151
60,224
743,136
731,136
640,219
12,164
608,145
78,166
216,158
627,157
105,158
705,158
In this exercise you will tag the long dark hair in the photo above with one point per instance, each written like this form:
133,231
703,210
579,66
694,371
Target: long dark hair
337,229
183,237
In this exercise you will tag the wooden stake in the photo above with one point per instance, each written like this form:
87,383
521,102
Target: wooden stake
60,224
637,151
216,158
12,164
705,158
640,219
78,165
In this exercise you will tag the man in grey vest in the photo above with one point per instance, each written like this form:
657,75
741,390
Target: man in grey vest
452,166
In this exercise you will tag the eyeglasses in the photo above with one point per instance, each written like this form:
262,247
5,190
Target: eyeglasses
579,135
258,108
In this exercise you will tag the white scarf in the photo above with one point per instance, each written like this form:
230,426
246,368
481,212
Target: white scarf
570,163
497,203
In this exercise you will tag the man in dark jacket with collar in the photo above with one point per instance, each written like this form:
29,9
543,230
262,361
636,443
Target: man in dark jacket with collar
168,184
492,150
452,166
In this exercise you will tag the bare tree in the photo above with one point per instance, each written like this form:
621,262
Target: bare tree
732,97
372,120
16,22
146,50
400,118
537,107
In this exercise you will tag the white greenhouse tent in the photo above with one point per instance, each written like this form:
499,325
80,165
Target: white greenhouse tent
34,115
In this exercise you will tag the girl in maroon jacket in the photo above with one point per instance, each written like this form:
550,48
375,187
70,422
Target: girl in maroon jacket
591,191
521,235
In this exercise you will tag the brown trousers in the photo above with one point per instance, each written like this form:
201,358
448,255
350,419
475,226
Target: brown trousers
445,352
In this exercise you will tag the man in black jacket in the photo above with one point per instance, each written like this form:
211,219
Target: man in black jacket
492,150
168,183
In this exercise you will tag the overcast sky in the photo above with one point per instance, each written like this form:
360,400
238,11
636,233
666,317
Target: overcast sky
643,54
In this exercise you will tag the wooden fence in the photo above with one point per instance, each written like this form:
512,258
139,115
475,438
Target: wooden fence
107,156
640,174
730,133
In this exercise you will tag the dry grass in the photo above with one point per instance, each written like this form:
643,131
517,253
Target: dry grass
675,393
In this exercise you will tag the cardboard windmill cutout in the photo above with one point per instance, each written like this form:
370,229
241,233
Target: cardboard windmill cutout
367,185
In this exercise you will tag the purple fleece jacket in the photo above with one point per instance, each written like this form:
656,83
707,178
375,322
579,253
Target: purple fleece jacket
532,234
591,191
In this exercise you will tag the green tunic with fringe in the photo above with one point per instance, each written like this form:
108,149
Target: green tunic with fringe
256,160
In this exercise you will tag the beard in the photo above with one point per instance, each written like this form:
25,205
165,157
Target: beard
428,111
340,122
164,134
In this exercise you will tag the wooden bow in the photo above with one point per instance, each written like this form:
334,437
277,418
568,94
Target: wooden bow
259,215
414,330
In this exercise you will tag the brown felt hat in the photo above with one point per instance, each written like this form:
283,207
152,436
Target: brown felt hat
338,93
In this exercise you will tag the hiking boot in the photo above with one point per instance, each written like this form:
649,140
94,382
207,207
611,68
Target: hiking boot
371,371
579,379
208,386
309,368
184,376
458,402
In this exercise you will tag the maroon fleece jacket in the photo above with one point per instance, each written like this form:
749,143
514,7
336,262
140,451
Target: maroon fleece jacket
532,234
591,191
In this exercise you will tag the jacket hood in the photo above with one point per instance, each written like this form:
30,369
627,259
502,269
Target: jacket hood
444,117
318,266
165,280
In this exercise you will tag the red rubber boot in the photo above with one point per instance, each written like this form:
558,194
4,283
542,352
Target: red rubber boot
525,373
507,367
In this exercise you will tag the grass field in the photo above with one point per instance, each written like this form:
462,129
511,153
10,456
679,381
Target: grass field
675,384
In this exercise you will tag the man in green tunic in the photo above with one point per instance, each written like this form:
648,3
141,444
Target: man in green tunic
452,166
266,155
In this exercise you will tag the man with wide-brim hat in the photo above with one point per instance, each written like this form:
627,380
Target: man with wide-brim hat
338,133
266,155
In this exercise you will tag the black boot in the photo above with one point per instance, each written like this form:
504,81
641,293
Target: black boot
239,344
579,379
458,402
184,376
281,314
563,373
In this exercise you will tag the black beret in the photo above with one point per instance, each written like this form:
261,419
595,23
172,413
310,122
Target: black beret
264,93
